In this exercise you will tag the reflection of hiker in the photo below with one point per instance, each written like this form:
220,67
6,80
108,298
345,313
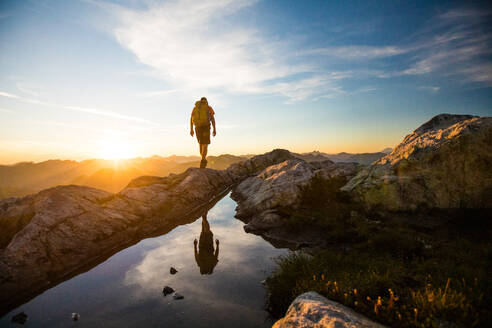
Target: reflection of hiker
201,116
206,257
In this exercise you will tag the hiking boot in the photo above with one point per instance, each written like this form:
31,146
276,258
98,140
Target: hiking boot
203,163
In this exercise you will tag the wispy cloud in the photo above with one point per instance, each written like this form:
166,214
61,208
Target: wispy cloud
459,43
430,89
300,89
460,13
478,73
94,111
3,110
366,89
8,95
358,52
203,46
198,45
455,59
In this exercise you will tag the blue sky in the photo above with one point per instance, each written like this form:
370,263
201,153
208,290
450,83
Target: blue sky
81,79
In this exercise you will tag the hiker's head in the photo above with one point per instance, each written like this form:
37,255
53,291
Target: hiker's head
204,100
197,103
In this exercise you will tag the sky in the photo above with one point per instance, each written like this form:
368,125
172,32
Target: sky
107,79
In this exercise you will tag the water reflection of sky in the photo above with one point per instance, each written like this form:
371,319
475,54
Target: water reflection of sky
126,290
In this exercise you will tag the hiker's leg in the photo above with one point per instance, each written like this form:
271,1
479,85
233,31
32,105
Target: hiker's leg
200,148
205,224
204,151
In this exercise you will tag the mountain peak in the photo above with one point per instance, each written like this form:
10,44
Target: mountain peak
442,121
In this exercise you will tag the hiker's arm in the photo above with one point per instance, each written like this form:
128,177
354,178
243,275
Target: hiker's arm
191,124
213,124
216,249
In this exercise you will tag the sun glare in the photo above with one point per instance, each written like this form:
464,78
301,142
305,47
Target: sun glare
115,149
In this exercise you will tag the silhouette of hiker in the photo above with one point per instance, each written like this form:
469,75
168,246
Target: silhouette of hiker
206,257
201,116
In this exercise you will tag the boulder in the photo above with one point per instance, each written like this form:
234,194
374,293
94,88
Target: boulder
443,164
313,310
255,164
19,318
167,290
279,186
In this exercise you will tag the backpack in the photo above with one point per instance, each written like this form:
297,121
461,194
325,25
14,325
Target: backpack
201,115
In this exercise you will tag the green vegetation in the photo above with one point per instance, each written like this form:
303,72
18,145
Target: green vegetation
408,271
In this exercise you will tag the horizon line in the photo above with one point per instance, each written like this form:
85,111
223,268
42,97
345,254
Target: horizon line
176,155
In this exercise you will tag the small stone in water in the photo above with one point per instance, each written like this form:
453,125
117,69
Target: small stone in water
177,296
173,270
167,290
75,316
20,318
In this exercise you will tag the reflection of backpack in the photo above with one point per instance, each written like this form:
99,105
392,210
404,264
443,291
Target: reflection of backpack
201,115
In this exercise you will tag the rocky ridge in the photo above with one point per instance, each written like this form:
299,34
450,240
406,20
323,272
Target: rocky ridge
445,163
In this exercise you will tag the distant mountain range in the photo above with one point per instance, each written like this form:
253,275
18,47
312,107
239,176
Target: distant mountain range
360,158
27,177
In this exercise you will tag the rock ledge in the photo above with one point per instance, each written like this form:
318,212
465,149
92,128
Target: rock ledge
313,310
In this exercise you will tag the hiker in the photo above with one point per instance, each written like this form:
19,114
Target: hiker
201,116
206,257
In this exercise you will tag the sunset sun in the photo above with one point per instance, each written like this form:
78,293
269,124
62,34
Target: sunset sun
115,149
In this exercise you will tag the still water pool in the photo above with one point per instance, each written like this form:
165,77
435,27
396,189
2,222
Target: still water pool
220,283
